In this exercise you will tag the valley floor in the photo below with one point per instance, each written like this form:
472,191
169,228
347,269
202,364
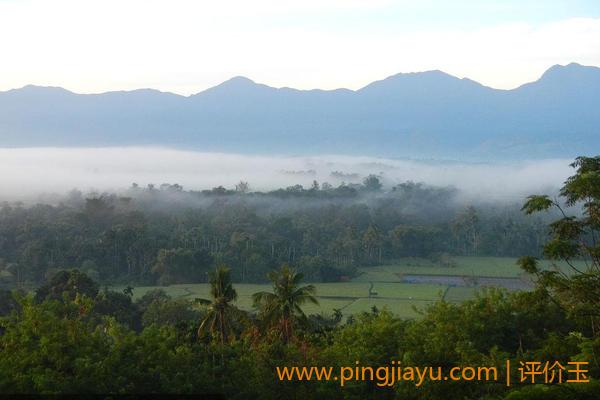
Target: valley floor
404,288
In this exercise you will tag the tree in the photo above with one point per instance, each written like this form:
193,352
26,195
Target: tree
372,243
466,231
574,241
242,187
282,308
372,183
117,305
67,283
181,265
170,312
415,240
50,348
221,315
7,303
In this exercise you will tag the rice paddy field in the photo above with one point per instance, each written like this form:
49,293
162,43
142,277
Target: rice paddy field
403,287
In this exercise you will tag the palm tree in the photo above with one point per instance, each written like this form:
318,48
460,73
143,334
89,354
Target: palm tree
282,308
221,313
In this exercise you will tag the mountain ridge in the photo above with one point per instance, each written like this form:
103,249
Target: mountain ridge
244,79
423,114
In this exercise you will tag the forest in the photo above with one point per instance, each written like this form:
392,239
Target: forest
65,329
166,235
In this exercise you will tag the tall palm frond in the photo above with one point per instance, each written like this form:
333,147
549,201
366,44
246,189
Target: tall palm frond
221,314
283,307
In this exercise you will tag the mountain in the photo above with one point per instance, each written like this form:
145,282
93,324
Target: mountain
426,114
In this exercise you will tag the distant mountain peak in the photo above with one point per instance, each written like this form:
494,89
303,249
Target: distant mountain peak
40,89
239,80
571,69
425,80
237,84
423,75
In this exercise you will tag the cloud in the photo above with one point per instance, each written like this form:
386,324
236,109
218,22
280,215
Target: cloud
27,173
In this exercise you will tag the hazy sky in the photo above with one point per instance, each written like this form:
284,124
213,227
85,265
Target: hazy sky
186,46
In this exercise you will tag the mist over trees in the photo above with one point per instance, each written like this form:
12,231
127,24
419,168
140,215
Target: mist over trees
165,234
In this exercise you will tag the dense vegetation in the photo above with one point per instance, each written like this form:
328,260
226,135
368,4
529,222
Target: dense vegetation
167,235
87,340
73,337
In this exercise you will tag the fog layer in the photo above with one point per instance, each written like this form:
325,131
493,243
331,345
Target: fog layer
27,173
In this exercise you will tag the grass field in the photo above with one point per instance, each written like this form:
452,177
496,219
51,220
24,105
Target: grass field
496,267
501,267
398,297
458,294
350,297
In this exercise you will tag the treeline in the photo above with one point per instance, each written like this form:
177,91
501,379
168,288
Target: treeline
167,235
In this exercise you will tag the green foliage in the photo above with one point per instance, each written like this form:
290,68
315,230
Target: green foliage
573,391
574,238
221,316
44,352
8,303
528,264
67,283
167,235
536,203
173,312
182,265
584,186
69,346
117,305
282,309
152,296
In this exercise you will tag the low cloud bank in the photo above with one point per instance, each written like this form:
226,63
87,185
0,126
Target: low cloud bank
28,173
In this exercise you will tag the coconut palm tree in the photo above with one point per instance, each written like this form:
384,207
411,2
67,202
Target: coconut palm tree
222,315
282,308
